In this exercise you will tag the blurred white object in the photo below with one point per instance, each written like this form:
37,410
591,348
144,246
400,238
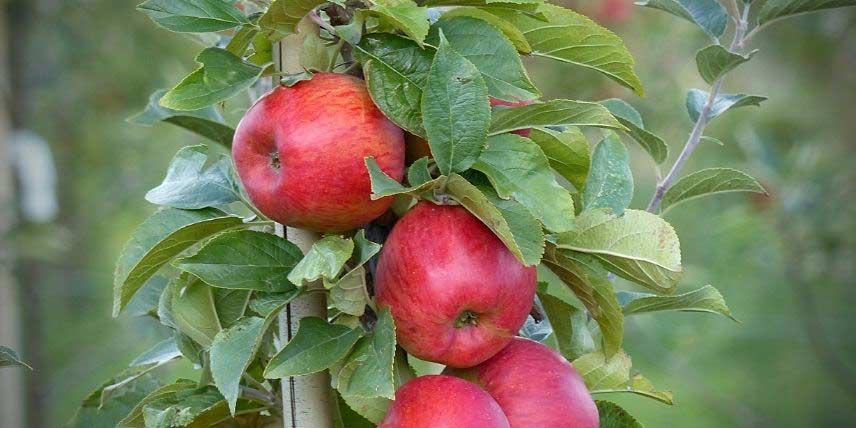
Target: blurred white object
34,167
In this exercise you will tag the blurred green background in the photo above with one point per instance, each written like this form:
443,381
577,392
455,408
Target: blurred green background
785,263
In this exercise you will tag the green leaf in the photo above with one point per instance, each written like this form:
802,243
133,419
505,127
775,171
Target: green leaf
404,15
632,120
245,260
522,5
201,407
316,346
696,99
610,181
711,140
368,370
589,282
194,16
10,358
602,373
349,294
552,113
568,322
613,375
374,408
134,418
384,185
510,221
145,300
418,173
517,168
207,122
778,9
282,17
709,15
455,110
165,350
493,55
188,185
567,36
97,413
269,304
715,61
232,352
230,304
221,76
613,416
709,181
396,69
324,260
568,153
638,246
192,310
705,299
512,33
160,238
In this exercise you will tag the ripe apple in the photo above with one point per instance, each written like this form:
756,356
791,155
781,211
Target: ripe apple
535,386
443,401
456,293
300,150
417,147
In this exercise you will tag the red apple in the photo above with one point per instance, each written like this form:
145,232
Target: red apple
535,386
456,293
300,150
443,401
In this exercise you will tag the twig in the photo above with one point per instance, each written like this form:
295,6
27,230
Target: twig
666,183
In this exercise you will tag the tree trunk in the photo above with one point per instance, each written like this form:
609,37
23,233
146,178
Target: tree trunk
307,401
12,391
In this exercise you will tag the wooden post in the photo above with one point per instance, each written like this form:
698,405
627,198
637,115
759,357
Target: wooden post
12,393
307,401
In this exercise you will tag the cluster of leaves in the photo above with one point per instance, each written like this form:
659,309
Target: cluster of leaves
220,279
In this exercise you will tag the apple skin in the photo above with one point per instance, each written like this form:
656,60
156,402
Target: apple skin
455,291
440,401
417,147
321,130
535,386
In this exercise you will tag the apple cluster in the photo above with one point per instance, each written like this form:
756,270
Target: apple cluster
457,294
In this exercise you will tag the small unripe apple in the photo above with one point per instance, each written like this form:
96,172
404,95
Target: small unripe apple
457,294
443,401
300,151
535,386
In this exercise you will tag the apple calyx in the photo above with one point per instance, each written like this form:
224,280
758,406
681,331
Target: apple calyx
467,318
275,163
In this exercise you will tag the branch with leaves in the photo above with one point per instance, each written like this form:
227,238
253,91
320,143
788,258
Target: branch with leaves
449,74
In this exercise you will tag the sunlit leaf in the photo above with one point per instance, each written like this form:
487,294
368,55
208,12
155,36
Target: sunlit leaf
696,99
207,122
517,168
709,15
244,259
610,180
455,110
709,181
159,239
638,246
189,185
552,113
778,9
316,346
221,76
194,16
705,299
